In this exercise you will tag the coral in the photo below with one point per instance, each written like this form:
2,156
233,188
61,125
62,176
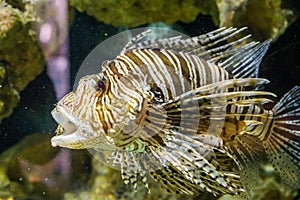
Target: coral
21,59
106,183
136,12
266,18
33,169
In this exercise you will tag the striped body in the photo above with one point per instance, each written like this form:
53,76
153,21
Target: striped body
188,111
172,74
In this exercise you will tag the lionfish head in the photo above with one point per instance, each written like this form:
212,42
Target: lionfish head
76,113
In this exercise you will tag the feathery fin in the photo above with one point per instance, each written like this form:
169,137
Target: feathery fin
241,60
247,151
245,62
218,94
283,143
200,162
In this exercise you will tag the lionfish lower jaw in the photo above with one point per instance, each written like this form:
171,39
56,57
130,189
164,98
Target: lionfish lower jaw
73,140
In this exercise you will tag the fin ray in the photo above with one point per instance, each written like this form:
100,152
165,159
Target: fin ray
195,159
242,61
282,145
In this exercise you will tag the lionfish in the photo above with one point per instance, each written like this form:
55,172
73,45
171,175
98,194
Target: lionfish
188,112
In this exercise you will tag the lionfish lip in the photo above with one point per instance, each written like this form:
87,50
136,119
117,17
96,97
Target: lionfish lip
72,140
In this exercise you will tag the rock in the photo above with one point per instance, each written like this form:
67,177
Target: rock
34,169
21,58
106,183
133,13
265,18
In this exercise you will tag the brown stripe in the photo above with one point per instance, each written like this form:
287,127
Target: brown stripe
173,69
114,69
207,69
198,78
135,59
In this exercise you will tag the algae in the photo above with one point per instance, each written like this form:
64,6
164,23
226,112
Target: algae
106,183
21,58
266,18
133,13
33,169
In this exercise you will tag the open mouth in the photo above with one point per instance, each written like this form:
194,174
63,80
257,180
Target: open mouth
66,121
69,135
67,131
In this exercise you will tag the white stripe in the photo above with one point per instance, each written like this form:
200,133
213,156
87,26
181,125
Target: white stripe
216,73
152,70
86,103
191,69
177,66
201,71
133,66
104,113
121,91
164,70
121,68
212,72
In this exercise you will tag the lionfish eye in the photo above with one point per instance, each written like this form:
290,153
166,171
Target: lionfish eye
100,85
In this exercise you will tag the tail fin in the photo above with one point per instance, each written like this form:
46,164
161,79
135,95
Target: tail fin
283,144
